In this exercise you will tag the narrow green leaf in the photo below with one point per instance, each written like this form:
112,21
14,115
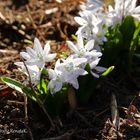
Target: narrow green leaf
42,87
12,83
16,85
74,37
137,55
110,69
28,41
29,93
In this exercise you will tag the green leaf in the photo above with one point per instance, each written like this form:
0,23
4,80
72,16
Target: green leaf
88,68
136,36
30,93
111,48
16,85
44,72
110,69
55,103
137,55
28,41
74,37
12,83
127,29
87,85
42,87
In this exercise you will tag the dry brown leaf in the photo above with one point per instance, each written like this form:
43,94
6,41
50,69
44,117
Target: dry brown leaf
114,112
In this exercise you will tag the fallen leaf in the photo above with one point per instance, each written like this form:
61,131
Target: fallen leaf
5,91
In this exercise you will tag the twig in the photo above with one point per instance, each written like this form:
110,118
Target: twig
61,32
38,100
29,130
65,136
25,109
72,98
132,100
84,119
8,51
33,23
25,104
14,102
2,17
114,112
6,59
101,113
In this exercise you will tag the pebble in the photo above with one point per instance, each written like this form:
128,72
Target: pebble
16,112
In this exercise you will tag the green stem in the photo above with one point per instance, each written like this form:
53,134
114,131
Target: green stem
45,111
40,103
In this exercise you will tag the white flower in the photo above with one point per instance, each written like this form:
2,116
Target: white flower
92,27
92,5
71,69
79,48
38,56
99,31
85,20
122,9
66,72
56,79
33,73
96,70
86,51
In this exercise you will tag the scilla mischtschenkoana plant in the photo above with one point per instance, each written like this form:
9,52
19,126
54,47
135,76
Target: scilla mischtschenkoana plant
106,36
115,29
49,86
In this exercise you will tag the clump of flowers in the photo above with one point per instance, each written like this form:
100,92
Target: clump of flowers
94,19
45,85
65,70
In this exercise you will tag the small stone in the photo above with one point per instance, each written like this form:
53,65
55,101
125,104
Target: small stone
16,112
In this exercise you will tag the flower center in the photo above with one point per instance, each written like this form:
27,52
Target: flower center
40,56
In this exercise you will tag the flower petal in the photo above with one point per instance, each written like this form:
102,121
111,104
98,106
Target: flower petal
37,46
100,69
80,21
25,55
31,52
50,57
51,74
79,61
94,63
94,74
46,48
72,47
54,86
90,44
74,83
80,43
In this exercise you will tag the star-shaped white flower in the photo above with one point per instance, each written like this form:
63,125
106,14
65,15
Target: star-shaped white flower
84,51
38,56
96,70
66,71
85,20
32,72
91,27
91,5
122,9
71,69
56,78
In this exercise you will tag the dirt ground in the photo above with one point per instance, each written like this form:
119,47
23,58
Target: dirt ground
20,22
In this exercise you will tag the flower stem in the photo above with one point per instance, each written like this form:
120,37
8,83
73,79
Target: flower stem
72,98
